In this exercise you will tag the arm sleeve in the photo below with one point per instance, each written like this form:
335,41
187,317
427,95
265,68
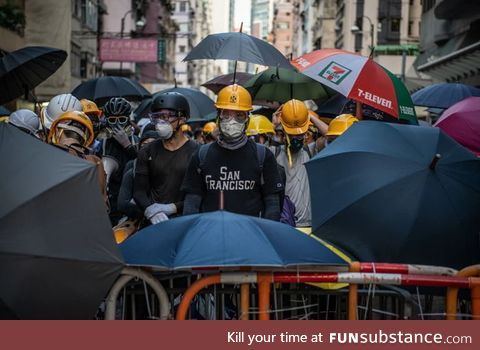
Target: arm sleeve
124,202
192,203
131,152
272,181
193,180
141,183
272,207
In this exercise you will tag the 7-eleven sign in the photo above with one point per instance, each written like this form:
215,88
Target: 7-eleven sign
335,73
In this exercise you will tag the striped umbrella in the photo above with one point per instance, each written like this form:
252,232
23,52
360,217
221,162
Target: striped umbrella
359,78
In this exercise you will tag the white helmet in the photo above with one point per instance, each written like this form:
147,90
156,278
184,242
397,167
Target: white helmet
25,119
59,105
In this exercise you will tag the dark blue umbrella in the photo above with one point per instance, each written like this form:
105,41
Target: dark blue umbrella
443,95
223,239
200,104
381,193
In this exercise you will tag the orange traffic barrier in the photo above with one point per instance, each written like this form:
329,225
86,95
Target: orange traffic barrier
244,301
452,294
192,291
353,293
264,280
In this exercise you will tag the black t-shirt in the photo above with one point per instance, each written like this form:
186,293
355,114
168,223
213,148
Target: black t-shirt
165,170
235,172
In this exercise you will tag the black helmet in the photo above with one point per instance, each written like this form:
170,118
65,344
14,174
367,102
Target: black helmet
173,101
117,106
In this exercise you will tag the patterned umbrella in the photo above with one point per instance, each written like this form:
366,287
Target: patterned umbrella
359,78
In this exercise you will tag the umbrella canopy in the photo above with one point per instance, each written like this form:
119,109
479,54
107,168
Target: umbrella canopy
218,83
100,90
443,95
24,69
223,239
380,192
58,257
282,85
143,110
200,104
339,104
240,47
462,122
359,78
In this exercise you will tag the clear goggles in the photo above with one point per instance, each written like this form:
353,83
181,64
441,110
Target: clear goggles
167,116
227,115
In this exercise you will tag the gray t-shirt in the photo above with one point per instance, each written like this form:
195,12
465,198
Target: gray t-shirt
297,187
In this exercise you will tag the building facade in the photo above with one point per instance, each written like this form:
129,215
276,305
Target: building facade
450,41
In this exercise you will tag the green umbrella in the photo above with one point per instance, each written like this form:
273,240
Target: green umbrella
279,84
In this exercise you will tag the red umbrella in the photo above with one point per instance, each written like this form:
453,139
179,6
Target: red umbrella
462,123
359,78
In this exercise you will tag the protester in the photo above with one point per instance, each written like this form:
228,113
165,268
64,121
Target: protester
162,164
246,173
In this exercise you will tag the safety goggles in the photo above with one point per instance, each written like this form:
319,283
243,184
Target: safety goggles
168,116
114,120
227,115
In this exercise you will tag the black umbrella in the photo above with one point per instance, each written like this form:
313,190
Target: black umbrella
100,90
143,110
58,257
24,69
238,46
398,193
218,83
200,104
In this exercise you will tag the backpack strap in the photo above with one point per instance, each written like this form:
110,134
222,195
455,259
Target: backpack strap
261,151
307,149
202,155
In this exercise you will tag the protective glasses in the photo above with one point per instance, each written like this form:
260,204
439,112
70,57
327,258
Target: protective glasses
115,120
227,115
168,116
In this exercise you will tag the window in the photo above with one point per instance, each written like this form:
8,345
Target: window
410,27
184,27
287,14
89,14
283,25
181,48
183,6
77,8
75,60
395,25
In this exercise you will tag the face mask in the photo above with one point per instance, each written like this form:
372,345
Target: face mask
164,129
296,145
231,129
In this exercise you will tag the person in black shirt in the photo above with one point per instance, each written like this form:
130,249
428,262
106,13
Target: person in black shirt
161,165
245,172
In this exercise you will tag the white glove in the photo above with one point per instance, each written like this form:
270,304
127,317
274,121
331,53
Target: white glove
156,208
121,136
158,218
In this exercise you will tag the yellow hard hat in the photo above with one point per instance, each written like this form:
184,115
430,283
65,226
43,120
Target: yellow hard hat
209,128
186,128
73,121
234,97
340,124
259,124
294,117
90,107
